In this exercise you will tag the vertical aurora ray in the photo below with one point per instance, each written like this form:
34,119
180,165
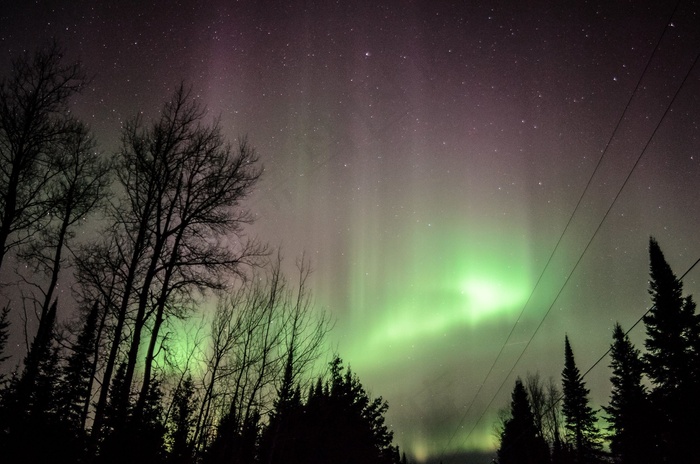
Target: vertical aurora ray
439,263
416,293
425,156
429,292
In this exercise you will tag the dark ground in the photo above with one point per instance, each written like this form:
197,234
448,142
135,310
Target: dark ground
464,458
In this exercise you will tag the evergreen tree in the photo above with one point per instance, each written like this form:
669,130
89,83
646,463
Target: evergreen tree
338,423
6,392
279,435
562,452
236,441
286,396
579,417
113,438
147,428
631,440
183,421
672,361
34,374
669,327
520,442
30,406
4,335
77,374
132,435
246,449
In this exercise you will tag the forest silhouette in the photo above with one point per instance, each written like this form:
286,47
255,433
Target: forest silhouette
653,403
98,384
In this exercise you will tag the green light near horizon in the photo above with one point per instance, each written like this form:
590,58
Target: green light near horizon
182,343
453,438
433,287
475,301
423,308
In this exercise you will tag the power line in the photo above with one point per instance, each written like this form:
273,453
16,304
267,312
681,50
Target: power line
566,228
646,146
641,318
561,397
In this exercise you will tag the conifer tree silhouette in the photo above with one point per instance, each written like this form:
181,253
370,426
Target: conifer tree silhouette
30,405
338,423
579,417
76,381
4,335
183,422
629,411
672,361
520,441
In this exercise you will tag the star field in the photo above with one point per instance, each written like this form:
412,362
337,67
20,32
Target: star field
427,157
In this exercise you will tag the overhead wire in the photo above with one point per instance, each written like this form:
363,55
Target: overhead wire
604,355
564,231
641,318
646,146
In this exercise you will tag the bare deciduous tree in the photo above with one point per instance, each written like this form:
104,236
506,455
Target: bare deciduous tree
536,393
267,330
77,187
34,118
178,229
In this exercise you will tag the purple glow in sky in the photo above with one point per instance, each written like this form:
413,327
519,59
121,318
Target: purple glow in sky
427,157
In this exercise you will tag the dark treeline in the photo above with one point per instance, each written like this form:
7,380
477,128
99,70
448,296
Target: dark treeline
109,374
652,416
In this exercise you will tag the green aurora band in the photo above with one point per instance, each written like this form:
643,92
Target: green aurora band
456,282
423,306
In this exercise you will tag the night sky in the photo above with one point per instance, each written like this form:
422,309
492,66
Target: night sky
427,155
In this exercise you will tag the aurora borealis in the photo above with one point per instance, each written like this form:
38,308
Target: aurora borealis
427,156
